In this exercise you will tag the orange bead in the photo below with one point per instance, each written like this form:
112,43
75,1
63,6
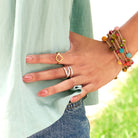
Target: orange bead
125,64
104,38
124,69
118,54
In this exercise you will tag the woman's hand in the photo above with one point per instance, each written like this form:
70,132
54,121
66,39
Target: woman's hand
92,63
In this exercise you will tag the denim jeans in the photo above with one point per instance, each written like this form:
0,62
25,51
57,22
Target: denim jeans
73,124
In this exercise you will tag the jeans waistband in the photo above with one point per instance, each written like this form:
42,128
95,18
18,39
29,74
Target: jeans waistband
72,105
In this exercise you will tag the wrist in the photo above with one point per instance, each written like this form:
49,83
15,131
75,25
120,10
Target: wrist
130,32
117,45
112,61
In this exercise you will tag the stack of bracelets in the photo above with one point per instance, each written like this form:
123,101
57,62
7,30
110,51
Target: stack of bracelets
117,44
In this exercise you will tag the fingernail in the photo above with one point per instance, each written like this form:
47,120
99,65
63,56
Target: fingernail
29,58
42,93
27,77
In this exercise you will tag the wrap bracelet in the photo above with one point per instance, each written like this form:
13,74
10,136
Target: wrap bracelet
117,44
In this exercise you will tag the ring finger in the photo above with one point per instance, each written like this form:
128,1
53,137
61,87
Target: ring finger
63,86
50,74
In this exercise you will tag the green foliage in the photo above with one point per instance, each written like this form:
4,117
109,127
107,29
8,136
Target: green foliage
120,119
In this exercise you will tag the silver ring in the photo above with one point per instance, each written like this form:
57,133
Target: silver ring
69,72
77,88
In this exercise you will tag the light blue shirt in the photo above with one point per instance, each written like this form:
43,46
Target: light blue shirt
35,27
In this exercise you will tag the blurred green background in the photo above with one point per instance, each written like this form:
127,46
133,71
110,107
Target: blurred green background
120,118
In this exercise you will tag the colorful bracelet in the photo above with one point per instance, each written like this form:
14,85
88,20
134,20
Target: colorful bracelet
117,44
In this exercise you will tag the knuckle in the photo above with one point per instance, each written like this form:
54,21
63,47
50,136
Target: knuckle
56,72
92,86
95,85
35,76
96,82
52,58
52,90
85,90
83,80
72,82
37,58
76,59
83,94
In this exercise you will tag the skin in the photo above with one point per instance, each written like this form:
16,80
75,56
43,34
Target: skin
92,63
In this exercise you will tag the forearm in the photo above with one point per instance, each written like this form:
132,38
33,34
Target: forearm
130,32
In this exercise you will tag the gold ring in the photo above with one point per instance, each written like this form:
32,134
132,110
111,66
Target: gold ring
59,57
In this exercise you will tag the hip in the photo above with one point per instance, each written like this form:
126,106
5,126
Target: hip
73,124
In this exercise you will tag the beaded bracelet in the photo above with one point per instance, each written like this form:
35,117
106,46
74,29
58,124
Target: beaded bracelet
117,44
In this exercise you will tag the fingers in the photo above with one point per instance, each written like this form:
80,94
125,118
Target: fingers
62,86
85,90
64,58
44,75
50,74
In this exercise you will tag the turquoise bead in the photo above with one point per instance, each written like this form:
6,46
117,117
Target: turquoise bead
128,55
121,50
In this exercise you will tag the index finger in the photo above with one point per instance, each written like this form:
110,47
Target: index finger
64,58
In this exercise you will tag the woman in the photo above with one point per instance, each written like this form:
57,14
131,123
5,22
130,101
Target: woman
37,104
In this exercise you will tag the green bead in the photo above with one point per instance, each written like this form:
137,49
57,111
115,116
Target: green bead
124,41
121,45
113,36
112,41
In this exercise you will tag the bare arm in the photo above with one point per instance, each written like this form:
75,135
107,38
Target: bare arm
130,32
92,63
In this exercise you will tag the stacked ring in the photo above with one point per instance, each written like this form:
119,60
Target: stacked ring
69,72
